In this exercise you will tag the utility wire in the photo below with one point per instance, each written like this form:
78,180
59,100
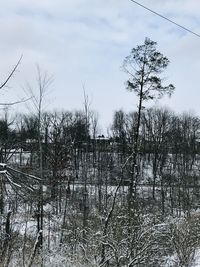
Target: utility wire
163,17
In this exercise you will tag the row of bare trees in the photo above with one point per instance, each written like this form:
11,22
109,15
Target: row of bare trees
168,148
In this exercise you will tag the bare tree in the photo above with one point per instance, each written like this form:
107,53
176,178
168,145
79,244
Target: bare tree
144,66
38,97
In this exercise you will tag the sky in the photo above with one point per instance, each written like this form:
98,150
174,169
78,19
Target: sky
82,45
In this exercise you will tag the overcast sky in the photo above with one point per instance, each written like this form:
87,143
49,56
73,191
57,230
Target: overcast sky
84,42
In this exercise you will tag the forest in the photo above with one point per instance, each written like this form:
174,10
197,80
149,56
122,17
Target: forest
72,196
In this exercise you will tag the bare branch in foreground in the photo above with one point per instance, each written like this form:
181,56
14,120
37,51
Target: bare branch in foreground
11,73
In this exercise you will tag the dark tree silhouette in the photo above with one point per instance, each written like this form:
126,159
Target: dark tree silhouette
144,66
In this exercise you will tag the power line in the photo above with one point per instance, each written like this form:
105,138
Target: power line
163,17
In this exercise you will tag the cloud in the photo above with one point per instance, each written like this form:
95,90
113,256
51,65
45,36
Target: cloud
85,41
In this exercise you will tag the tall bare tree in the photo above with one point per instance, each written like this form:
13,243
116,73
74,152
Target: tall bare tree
144,67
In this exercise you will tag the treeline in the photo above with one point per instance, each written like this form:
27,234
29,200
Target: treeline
160,128
167,160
